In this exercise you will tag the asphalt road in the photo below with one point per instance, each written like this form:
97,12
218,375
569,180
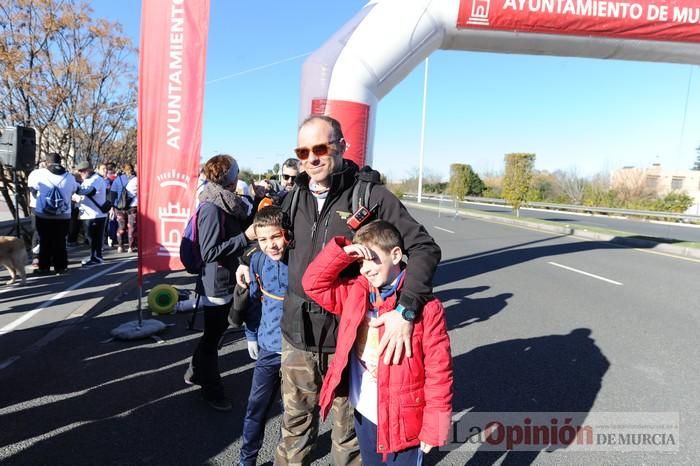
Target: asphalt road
665,230
46,304
538,323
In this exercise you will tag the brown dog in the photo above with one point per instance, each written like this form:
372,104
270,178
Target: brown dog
13,255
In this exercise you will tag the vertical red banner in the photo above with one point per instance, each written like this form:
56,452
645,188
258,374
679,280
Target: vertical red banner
171,95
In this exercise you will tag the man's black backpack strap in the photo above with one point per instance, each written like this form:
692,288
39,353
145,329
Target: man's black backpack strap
366,179
291,212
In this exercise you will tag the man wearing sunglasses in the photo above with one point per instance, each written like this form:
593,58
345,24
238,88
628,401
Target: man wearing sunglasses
324,204
290,170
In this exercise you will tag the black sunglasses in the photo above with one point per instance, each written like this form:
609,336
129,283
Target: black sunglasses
289,177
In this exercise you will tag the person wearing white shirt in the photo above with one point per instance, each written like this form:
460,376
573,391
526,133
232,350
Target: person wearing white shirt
92,196
32,208
126,218
52,224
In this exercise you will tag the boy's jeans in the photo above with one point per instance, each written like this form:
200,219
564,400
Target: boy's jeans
264,391
366,432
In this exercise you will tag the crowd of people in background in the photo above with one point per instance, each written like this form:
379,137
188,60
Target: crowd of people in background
80,206
98,207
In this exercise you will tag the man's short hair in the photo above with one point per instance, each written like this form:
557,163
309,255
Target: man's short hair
269,216
335,124
291,163
53,157
379,233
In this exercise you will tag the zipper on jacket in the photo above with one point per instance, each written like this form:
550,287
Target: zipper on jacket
325,229
313,228
319,216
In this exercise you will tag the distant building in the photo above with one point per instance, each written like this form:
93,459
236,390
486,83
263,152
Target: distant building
659,181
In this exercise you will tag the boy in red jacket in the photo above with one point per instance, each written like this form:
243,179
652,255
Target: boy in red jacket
404,410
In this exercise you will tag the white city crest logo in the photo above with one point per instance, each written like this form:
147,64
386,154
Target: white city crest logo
173,178
480,13
173,217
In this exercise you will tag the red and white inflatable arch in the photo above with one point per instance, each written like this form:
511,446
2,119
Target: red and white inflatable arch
375,50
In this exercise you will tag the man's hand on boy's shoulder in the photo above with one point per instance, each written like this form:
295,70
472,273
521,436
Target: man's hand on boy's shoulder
243,276
359,252
396,338
250,233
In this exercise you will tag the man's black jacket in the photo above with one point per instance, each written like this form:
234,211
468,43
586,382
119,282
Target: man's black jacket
303,323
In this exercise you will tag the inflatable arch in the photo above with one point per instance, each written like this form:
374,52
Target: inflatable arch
347,77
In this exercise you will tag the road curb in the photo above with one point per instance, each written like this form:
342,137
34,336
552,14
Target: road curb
693,253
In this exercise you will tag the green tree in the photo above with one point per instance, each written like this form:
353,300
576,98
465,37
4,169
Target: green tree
464,182
459,181
516,182
674,202
542,187
476,185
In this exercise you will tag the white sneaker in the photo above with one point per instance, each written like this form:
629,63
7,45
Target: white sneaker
129,250
120,249
35,249
109,242
86,260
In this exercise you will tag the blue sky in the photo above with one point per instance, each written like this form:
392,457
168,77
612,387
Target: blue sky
591,115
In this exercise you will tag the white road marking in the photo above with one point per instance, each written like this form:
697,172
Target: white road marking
585,273
28,315
444,229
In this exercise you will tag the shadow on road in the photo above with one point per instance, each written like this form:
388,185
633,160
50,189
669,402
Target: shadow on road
553,373
461,311
90,401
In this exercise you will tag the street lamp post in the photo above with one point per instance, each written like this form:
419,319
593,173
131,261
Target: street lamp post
422,135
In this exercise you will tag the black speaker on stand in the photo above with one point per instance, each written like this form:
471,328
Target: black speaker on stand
18,151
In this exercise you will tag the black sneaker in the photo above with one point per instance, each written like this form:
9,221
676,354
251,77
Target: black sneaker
41,272
214,396
220,403
61,271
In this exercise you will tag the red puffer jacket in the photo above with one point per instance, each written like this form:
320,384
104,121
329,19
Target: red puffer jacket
415,396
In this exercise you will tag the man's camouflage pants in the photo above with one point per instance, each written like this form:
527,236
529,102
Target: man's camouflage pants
302,375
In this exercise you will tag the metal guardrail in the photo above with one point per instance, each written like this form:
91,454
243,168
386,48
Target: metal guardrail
570,207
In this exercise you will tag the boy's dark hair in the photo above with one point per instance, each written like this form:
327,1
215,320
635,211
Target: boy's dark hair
381,234
269,216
